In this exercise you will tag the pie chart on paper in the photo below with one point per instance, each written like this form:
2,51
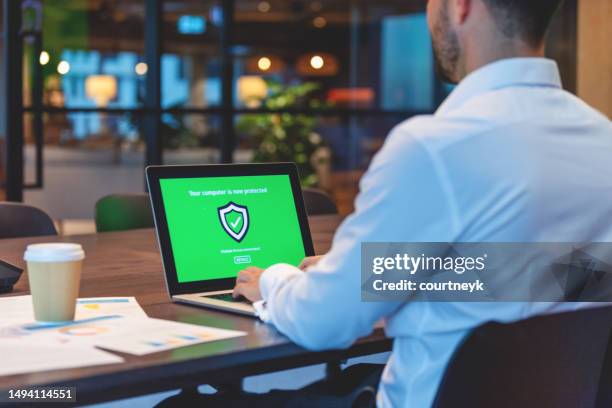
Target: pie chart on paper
83,330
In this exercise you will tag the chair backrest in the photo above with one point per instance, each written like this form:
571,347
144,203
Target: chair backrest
121,212
20,220
318,202
560,360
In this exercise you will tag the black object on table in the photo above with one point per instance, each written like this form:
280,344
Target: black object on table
9,275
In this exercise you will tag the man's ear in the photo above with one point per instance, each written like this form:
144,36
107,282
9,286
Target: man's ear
461,10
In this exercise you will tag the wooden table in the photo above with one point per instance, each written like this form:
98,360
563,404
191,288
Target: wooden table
129,264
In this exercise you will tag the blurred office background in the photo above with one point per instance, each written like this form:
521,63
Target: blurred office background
93,90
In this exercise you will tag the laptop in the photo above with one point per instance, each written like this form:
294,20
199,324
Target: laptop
213,221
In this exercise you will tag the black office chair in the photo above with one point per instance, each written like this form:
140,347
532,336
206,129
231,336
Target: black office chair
561,360
20,220
318,202
355,387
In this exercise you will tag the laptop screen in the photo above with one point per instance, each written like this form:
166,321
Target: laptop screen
221,225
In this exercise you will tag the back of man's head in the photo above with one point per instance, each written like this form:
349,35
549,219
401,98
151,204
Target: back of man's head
527,20
467,34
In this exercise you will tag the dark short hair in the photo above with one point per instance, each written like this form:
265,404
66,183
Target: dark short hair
525,19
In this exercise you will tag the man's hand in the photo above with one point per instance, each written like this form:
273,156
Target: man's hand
247,284
309,261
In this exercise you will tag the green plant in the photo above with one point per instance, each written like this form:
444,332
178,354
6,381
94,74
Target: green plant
285,137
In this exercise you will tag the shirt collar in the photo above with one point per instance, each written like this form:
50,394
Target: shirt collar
502,74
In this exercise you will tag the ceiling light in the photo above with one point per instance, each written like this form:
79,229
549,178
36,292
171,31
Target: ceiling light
63,67
141,68
264,63
319,22
317,62
264,6
44,58
316,6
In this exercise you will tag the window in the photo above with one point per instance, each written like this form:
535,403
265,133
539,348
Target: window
318,82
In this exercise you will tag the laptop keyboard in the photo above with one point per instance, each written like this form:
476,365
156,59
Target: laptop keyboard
227,297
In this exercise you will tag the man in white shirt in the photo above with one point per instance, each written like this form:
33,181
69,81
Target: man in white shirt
508,157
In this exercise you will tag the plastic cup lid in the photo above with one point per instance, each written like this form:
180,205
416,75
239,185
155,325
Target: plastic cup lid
54,252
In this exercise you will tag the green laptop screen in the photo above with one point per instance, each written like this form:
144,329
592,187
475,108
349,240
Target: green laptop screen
221,225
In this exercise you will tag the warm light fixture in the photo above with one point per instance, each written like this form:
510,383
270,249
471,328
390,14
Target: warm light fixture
101,88
319,22
44,58
63,67
316,6
251,90
317,62
264,6
264,63
141,68
268,64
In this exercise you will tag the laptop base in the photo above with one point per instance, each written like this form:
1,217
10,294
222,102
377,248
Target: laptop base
200,299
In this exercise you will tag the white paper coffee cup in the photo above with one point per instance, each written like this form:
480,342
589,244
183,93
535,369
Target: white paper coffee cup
54,274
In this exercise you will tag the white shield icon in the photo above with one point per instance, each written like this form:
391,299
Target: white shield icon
234,219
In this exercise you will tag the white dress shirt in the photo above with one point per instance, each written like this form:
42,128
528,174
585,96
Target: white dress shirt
508,157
